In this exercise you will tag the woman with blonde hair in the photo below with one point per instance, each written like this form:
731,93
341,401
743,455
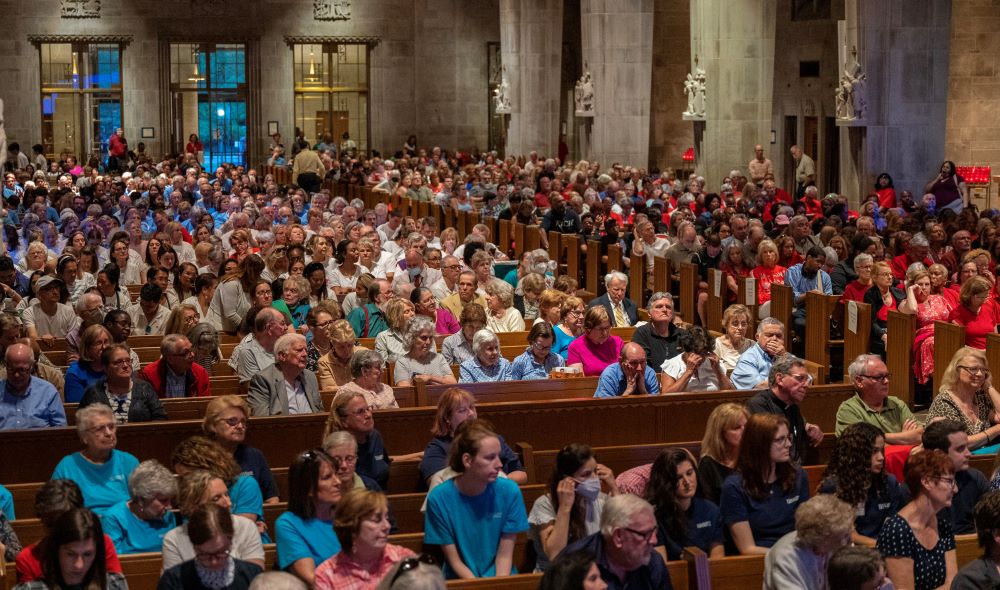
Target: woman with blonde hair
549,306
390,343
967,395
232,298
226,421
294,301
929,308
181,320
882,297
720,447
733,342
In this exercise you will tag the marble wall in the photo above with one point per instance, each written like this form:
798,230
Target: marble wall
669,134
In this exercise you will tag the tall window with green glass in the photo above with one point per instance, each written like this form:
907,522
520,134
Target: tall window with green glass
331,92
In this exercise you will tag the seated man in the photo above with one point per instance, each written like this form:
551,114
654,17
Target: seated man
465,294
659,336
287,386
983,572
149,317
804,277
175,374
629,376
789,382
873,405
755,363
27,402
47,318
949,437
623,549
258,354
621,309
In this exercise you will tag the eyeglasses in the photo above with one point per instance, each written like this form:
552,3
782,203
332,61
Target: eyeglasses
324,325
121,363
644,535
409,564
361,411
182,353
782,440
950,481
211,557
976,371
234,422
881,378
800,377
110,427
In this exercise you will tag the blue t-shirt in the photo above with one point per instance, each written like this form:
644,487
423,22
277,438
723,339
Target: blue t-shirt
704,529
878,507
298,539
79,377
561,342
612,381
474,524
247,499
131,534
103,486
373,460
769,519
7,503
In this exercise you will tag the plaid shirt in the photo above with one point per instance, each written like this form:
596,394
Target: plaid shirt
634,480
343,573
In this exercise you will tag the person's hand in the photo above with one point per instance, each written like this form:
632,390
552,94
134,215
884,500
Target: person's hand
261,527
815,434
566,490
693,361
885,338
912,424
631,380
49,340
775,348
607,476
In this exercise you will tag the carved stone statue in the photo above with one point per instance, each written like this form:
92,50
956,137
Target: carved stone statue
584,96
689,90
331,9
849,91
695,88
501,96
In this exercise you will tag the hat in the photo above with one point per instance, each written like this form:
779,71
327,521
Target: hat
46,281
781,220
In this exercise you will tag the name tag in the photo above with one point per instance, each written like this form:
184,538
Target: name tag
861,510
378,457
792,500
884,506
703,525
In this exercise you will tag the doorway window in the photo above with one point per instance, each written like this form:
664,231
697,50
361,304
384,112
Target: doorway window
332,93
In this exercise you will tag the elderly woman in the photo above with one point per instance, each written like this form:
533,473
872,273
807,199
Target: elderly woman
319,321
549,304
917,543
213,567
457,348
205,343
90,369
597,348
856,289
391,343
226,423
570,325
294,301
304,533
487,364
195,490
424,303
362,525
333,369
131,400
231,300
733,342
139,524
421,363
182,318
527,295
456,406
823,524
366,373
882,297
343,448
501,316
538,360
696,368
977,311
968,396
101,470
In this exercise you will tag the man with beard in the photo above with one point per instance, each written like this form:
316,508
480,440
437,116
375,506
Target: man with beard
559,218
804,277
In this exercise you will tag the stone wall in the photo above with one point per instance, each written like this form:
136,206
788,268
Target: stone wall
669,135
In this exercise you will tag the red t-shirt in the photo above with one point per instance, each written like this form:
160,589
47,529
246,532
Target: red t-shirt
900,263
766,278
977,326
887,198
855,291
542,201
883,312
29,563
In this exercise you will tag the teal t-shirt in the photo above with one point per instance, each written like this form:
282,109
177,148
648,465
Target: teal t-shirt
7,503
247,499
103,486
131,534
297,539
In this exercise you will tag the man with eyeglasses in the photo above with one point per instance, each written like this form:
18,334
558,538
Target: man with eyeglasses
623,548
175,374
949,437
659,336
451,268
789,381
257,354
27,402
873,405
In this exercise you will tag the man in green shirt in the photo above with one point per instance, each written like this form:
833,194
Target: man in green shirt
873,404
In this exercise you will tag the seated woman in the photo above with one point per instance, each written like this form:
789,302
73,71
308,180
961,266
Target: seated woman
501,315
767,272
77,533
968,396
421,363
487,364
537,361
856,289
131,400
597,348
978,312
856,474
342,447
917,543
682,518
101,470
570,325
760,498
929,308
457,348
304,534
213,567
550,306
475,517
205,343
882,297
226,422
366,371
571,510
90,369
455,407
199,452
139,524
391,343
294,301
200,488
798,560
319,325
362,525
696,368
426,305
733,342
572,570
182,318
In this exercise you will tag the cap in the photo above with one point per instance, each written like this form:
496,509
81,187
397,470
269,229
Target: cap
46,281
781,220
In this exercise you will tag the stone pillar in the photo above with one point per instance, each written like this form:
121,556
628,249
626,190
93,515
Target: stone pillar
531,52
733,41
618,50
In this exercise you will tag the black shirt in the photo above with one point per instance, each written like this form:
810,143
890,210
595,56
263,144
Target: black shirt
766,402
658,348
972,485
711,474
569,223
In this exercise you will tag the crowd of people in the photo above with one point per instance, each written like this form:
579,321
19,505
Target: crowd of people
301,278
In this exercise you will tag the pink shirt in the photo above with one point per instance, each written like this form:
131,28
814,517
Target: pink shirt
595,358
340,572
446,322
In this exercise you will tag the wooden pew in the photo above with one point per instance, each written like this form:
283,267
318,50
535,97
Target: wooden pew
899,354
555,249
993,352
661,274
637,280
689,292
948,339
737,573
593,280
858,340
615,258
782,300
718,291
571,244
505,391
821,312
746,293
532,238
505,237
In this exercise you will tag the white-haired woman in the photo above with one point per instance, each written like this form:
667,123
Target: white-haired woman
486,364
501,315
421,363
366,373
823,524
139,524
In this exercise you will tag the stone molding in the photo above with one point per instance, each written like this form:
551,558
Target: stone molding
80,8
120,39
370,41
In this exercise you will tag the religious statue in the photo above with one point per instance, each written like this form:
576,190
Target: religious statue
331,9
695,88
80,9
848,93
584,95
501,96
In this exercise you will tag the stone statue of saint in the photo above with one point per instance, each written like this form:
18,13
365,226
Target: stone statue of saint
501,96
700,101
850,102
584,95
691,92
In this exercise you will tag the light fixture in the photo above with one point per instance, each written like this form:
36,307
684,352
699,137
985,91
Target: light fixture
196,76
312,78
221,112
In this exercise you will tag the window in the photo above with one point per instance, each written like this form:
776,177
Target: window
331,93
81,96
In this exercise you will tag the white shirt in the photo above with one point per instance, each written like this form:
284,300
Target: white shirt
298,403
704,378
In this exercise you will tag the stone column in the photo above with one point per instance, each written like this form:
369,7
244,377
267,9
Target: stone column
531,52
618,50
733,41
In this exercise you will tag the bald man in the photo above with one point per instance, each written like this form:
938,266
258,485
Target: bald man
27,402
629,376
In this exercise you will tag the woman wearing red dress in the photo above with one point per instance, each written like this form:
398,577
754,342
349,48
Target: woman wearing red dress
977,311
929,308
886,192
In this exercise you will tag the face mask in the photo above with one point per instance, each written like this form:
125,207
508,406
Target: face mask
589,489
413,272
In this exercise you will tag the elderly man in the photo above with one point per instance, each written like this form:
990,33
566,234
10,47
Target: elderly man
412,269
629,376
916,251
961,243
257,353
175,374
623,548
754,364
451,269
658,337
789,382
287,386
90,308
949,437
368,321
760,167
466,294
873,405
334,368
27,402
149,318
802,234
621,310
805,170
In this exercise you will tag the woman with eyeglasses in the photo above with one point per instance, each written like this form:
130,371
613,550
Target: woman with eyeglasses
978,312
538,360
968,396
421,363
759,499
343,448
226,421
856,289
211,532
90,369
131,400
597,347
882,297
362,526
426,305
917,543
101,470
487,365
319,321
351,412
304,534
733,342
457,348
138,525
